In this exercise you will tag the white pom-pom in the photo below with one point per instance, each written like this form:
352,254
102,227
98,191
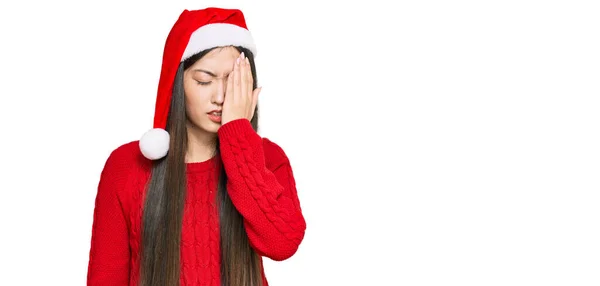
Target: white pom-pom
154,144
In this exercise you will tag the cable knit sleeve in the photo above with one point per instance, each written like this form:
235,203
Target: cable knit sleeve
262,188
109,251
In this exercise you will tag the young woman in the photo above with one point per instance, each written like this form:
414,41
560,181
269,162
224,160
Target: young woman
201,198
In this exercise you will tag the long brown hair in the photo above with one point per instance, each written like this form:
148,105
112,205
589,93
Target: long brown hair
163,209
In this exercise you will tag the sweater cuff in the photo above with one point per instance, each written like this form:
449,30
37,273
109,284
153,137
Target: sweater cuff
236,128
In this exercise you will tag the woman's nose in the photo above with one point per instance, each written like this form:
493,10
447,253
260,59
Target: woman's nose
219,95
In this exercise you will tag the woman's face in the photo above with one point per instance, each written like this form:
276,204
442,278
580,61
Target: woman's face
205,83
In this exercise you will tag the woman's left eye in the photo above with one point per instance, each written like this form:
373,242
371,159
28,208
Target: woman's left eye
203,82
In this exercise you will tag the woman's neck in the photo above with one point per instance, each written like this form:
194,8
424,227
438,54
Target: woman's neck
201,145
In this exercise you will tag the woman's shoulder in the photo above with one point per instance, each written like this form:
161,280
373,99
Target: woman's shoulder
127,156
127,151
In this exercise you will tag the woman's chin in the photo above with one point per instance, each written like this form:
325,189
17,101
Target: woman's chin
212,128
207,127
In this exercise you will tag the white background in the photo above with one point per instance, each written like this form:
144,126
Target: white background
433,143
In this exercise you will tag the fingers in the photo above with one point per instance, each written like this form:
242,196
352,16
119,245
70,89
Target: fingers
246,75
242,69
229,91
249,76
240,95
249,92
237,80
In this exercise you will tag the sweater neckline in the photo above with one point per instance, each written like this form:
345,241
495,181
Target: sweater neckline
195,167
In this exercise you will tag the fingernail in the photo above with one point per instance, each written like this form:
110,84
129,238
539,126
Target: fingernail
242,55
237,61
247,61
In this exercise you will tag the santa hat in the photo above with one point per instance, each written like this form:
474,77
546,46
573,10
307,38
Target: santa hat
194,31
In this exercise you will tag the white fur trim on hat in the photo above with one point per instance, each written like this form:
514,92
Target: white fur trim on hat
218,35
154,144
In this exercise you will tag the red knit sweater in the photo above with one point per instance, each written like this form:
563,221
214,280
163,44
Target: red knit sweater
261,186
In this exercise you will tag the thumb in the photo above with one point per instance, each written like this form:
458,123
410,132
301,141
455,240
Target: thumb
255,97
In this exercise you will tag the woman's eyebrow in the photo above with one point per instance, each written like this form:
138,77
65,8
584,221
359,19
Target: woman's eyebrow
205,71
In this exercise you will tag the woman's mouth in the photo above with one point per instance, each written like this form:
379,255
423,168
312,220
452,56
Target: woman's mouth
215,116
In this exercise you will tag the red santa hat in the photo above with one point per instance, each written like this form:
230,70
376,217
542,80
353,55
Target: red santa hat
194,31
